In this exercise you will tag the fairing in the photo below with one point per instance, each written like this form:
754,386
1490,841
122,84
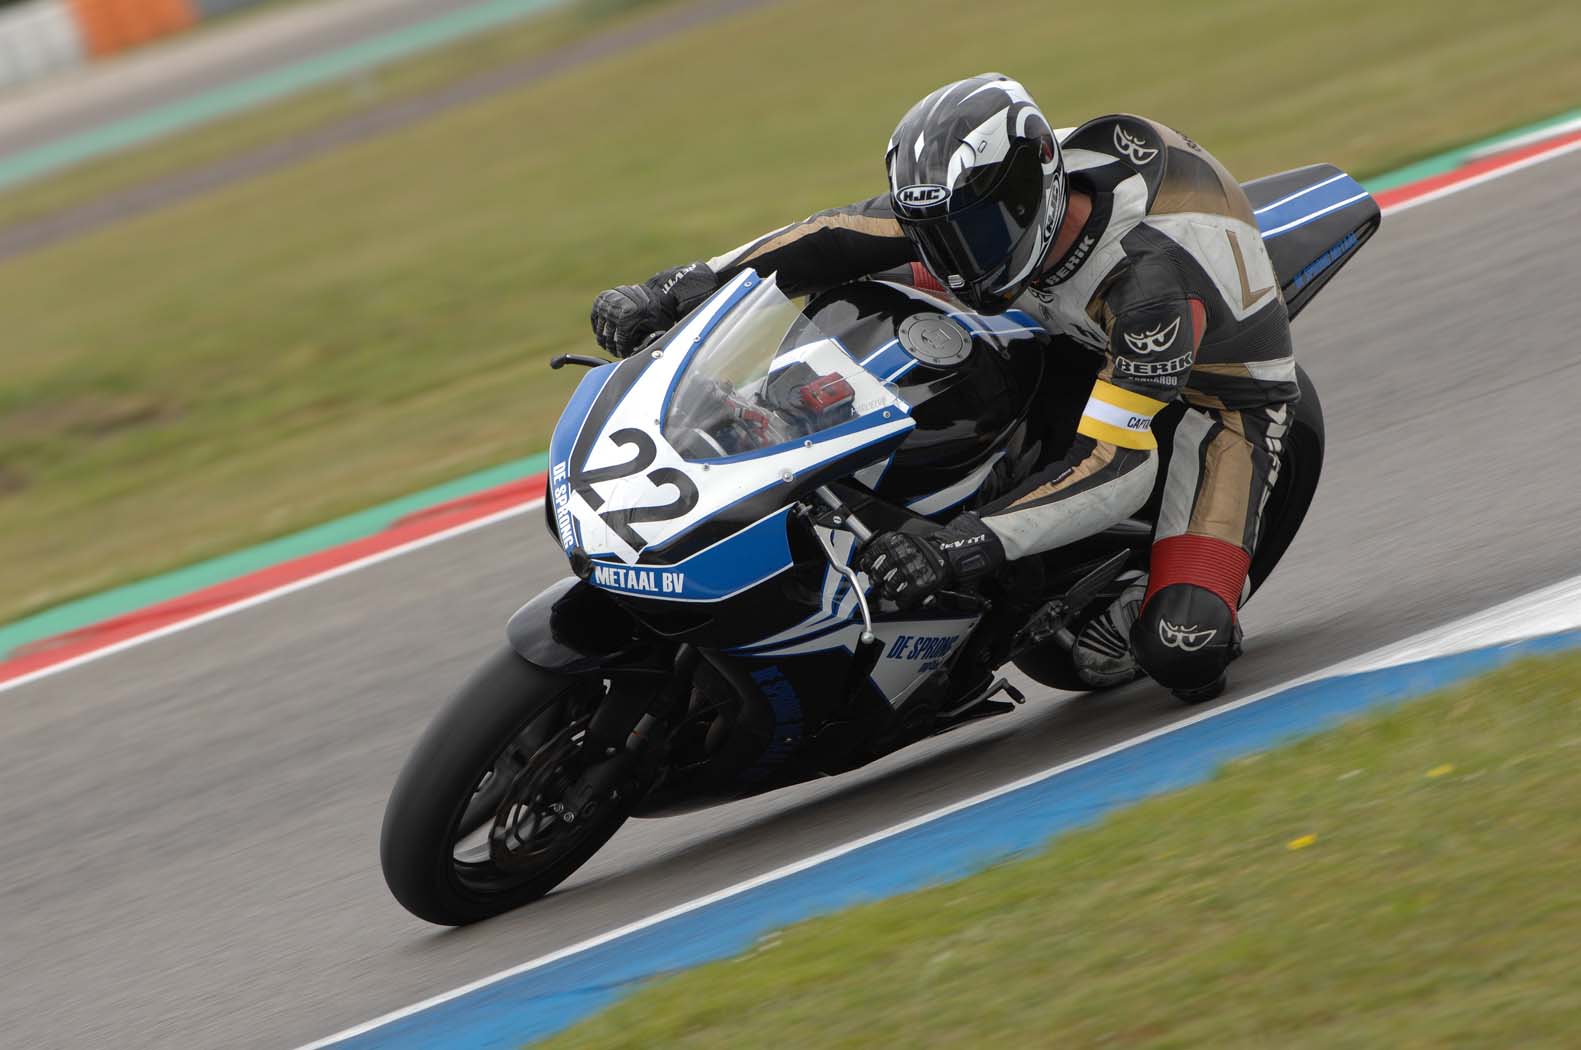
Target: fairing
671,473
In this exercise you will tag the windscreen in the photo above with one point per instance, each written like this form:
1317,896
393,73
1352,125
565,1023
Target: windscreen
765,376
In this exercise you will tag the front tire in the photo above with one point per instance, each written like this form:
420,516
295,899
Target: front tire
504,727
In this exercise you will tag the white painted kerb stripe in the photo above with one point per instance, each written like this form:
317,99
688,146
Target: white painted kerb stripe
1548,611
1486,176
1551,131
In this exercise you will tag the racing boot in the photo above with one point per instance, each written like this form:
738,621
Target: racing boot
1102,652
1214,689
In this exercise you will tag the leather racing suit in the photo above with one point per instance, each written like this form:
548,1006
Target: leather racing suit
1169,281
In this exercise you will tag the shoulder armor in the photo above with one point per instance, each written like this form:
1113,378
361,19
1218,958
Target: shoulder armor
1136,142
1167,160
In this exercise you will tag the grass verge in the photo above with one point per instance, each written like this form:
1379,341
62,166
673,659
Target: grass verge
377,320
1407,880
382,85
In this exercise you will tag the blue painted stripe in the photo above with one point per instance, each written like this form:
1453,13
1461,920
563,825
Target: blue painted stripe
902,370
875,354
540,1002
1298,209
891,361
575,413
741,560
1299,205
886,359
1316,186
1296,224
563,441
1009,323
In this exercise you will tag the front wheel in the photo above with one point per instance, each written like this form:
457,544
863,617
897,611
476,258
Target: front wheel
478,823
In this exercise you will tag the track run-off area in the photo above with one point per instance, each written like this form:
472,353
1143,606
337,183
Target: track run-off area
192,816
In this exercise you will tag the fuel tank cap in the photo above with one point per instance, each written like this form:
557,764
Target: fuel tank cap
934,340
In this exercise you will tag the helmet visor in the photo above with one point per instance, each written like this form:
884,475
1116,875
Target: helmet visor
977,249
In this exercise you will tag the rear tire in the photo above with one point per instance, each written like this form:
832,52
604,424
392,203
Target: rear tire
452,784
1291,497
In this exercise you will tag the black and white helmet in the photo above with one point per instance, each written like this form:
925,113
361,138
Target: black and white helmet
978,184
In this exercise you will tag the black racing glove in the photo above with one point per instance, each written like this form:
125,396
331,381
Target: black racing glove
625,318
907,568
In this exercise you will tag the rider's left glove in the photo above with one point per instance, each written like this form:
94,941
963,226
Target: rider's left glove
907,568
625,319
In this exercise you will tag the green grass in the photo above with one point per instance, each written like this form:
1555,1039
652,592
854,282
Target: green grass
376,320
1408,880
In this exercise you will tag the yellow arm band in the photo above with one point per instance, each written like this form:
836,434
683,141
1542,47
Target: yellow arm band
1119,417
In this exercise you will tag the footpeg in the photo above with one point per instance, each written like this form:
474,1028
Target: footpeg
999,685
1011,691
981,710
1053,617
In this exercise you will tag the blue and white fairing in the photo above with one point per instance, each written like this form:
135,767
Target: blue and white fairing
674,471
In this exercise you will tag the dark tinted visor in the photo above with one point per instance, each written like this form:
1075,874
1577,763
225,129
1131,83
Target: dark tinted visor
974,244
977,237
1016,183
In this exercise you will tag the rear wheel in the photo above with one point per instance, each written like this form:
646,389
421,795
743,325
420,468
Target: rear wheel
492,808
1299,470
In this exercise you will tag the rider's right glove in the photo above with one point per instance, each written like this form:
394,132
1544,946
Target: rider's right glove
906,568
625,318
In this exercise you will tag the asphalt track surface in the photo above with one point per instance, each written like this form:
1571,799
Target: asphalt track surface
189,854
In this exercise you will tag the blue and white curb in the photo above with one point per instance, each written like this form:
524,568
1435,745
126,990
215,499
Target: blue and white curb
546,995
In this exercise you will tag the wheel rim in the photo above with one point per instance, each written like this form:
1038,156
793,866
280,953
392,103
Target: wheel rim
512,828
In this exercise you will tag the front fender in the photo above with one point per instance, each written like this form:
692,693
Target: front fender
572,627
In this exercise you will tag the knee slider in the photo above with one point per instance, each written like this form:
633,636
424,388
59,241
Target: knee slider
1184,637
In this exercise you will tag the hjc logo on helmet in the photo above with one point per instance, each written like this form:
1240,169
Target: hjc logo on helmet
923,196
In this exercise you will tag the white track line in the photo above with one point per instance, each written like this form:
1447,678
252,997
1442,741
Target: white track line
1548,611
1487,176
1505,145
459,530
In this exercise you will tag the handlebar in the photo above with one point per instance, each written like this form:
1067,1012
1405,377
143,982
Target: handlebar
585,360
843,515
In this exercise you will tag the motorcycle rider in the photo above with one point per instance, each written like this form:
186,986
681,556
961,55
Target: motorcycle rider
1131,240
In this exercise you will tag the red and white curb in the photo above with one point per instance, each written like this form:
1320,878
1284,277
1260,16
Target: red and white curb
1485,168
413,533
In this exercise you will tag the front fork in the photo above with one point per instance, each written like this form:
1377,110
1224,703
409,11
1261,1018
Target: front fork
869,647
625,742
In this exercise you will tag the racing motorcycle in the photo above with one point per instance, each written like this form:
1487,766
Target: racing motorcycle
712,639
